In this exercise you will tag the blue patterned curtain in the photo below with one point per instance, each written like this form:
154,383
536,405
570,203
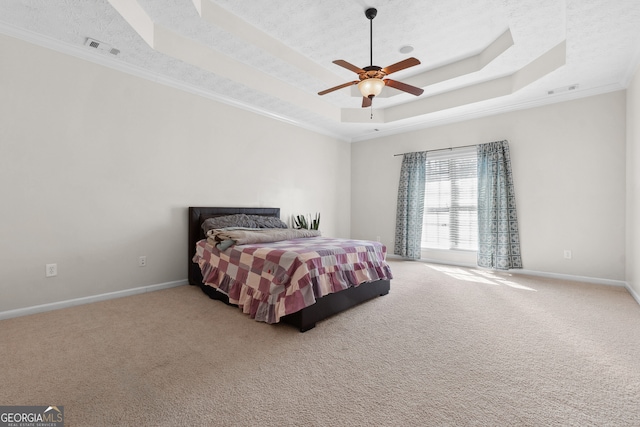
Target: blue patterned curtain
498,239
410,205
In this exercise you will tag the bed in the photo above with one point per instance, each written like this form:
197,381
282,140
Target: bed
305,318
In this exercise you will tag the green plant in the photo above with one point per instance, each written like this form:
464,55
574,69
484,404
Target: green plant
315,223
300,221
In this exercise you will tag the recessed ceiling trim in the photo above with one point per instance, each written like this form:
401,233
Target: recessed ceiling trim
136,16
200,55
506,85
220,17
195,53
492,111
549,61
455,69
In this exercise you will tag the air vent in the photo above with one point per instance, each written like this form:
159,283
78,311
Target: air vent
563,89
98,45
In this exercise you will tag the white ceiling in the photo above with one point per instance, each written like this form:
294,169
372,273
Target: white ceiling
478,57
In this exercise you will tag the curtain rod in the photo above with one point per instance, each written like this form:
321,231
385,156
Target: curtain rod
437,149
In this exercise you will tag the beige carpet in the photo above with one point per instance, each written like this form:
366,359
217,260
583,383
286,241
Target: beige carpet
447,347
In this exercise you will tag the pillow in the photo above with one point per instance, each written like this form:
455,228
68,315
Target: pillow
237,220
242,220
268,221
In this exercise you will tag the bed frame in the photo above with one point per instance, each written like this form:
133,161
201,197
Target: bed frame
304,319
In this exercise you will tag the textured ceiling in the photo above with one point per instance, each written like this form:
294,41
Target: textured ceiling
477,57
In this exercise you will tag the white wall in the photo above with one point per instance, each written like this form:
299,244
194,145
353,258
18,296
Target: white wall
633,186
568,162
98,167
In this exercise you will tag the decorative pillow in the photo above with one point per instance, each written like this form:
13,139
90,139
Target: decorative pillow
242,220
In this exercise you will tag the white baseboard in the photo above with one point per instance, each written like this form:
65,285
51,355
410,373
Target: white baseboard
585,279
86,300
150,288
633,293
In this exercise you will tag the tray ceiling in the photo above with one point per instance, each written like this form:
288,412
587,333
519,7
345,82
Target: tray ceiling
477,57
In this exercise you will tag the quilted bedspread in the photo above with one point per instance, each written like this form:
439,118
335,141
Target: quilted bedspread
271,280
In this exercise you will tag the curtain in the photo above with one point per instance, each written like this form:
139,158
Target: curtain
498,239
410,208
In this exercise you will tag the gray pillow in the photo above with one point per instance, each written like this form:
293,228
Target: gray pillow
242,220
267,221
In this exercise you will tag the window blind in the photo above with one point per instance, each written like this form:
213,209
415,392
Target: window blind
451,200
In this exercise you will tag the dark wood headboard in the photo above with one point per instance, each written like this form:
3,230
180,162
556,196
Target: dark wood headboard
197,215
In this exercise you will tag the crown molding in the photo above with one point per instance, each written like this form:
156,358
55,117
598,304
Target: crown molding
83,53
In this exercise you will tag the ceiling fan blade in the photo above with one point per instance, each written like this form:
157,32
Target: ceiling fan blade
337,87
366,102
404,87
348,66
409,62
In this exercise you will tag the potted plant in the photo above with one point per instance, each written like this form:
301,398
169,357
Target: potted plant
300,221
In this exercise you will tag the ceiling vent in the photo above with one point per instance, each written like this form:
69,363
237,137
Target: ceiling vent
563,89
98,45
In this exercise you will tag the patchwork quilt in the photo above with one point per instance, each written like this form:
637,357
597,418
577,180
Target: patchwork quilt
270,280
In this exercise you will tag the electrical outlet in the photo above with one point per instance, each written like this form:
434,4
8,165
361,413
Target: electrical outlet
568,254
142,261
51,270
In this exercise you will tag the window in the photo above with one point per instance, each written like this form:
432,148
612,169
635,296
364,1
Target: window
451,200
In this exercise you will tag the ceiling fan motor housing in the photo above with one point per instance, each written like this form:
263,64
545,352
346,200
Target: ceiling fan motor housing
372,72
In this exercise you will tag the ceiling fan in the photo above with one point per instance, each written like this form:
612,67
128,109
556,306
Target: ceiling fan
372,78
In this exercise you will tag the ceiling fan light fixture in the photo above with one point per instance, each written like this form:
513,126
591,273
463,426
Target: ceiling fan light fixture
371,87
